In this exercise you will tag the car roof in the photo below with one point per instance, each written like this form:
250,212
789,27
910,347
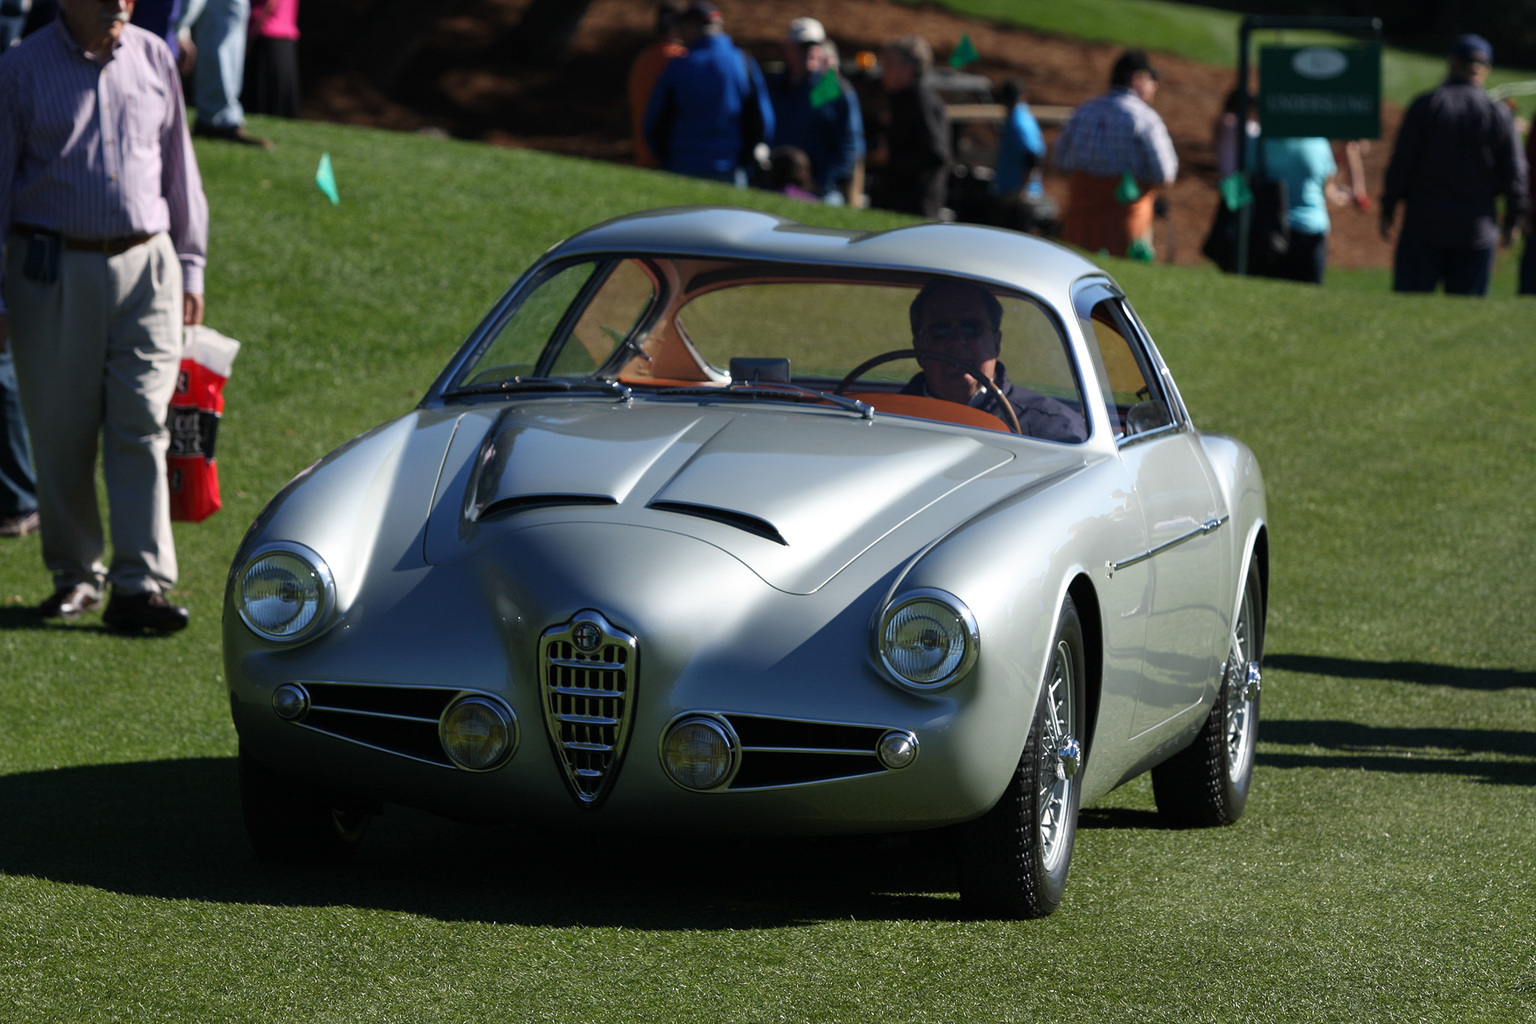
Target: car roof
970,250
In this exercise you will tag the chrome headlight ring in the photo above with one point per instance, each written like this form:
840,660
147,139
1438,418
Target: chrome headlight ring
285,593
927,639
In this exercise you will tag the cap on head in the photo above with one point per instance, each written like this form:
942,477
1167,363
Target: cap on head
806,31
701,13
1472,49
1130,62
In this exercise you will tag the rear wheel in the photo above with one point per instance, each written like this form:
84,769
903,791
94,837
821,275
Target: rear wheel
1206,783
290,822
1014,859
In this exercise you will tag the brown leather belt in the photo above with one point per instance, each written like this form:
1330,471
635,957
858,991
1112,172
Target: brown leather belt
105,246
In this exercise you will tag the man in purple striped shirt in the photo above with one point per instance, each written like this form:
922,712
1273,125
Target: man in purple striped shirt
106,228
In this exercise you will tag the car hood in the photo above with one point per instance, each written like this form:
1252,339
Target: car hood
796,495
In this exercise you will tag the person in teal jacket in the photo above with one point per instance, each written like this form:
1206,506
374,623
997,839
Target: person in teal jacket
1307,167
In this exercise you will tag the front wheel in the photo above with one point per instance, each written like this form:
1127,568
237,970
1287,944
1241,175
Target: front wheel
1014,859
1206,784
288,822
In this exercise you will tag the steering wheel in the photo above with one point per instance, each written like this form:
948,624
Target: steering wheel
1009,416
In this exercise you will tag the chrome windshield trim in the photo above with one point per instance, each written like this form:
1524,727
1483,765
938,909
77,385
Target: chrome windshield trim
1207,527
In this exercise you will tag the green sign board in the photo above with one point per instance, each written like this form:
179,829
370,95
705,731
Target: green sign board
1332,91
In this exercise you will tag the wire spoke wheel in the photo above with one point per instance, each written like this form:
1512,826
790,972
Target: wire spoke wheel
1207,782
1013,860
1055,801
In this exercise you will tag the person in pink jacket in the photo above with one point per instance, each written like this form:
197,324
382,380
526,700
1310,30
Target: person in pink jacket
272,70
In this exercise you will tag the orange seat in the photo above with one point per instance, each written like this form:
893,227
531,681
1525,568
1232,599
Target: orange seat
926,408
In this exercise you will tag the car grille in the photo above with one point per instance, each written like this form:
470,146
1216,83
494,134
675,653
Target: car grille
777,753
589,670
398,719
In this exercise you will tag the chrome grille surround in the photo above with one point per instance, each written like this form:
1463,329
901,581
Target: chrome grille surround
587,671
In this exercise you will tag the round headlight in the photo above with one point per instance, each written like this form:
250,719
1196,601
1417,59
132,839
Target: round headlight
928,639
478,733
285,594
699,753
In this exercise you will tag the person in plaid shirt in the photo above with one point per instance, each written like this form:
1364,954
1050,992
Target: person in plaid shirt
1118,151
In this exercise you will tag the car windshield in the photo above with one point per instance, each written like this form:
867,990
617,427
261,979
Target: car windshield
663,324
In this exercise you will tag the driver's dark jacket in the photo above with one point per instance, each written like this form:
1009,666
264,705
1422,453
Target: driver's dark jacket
1039,415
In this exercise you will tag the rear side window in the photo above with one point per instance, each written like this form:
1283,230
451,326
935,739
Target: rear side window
1137,405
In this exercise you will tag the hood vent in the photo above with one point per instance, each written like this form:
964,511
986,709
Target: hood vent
740,520
528,502
588,671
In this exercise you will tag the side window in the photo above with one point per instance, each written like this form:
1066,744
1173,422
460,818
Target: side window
1136,403
519,340
612,314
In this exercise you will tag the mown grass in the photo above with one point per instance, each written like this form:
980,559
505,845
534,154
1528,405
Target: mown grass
1383,873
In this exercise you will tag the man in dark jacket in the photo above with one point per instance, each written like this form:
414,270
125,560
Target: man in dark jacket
710,108
964,321
1457,151
917,136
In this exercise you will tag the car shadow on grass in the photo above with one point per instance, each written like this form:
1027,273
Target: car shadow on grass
172,830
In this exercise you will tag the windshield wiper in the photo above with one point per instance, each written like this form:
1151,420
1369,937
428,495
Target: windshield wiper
780,390
558,385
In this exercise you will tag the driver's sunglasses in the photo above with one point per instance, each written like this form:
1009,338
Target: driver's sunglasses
945,330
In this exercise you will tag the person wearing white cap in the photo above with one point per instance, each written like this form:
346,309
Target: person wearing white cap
821,117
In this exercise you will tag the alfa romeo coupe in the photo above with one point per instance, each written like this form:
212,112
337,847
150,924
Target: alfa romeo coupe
718,523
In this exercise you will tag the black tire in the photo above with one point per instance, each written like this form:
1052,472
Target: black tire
289,822
1206,784
1013,860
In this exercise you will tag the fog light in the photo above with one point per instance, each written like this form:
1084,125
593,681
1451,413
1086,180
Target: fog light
897,749
699,754
290,701
478,733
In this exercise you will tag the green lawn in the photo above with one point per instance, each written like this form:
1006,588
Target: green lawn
1383,872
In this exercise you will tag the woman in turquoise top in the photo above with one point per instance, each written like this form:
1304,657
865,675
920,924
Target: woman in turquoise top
1307,168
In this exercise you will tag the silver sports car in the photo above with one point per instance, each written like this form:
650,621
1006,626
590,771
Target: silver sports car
722,523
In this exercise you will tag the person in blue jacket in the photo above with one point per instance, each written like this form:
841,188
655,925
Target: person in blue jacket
709,112
820,116
1020,146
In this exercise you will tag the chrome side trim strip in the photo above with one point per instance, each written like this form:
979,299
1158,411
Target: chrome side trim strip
1209,526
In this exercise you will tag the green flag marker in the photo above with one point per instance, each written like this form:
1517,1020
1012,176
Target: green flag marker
826,90
965,53
1235,191
326,179
1128,191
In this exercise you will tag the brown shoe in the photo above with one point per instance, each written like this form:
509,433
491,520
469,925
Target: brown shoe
19,526
149,610
70,603
230,133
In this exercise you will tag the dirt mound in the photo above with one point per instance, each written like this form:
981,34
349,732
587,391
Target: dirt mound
453,72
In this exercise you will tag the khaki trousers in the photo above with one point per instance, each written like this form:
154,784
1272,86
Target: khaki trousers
97,354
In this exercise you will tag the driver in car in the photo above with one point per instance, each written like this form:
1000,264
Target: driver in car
954,318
